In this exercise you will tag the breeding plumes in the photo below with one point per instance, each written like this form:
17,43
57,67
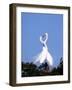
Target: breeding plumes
44,55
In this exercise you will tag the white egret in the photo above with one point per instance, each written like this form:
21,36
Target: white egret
44,55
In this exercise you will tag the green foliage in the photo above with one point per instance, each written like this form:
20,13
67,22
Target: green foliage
30,69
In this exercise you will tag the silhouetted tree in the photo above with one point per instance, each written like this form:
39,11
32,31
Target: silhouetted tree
44,66
30,69
60,67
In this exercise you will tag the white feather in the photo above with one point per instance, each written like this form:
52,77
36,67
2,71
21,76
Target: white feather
44,54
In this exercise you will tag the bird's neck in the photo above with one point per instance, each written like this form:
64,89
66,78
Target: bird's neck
44,45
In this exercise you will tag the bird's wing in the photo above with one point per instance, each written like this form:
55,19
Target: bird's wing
40,57
49,59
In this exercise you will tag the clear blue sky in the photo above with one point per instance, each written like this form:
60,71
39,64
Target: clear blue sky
35,24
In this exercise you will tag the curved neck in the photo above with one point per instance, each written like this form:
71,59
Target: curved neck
44,44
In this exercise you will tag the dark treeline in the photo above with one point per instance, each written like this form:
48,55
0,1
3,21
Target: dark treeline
30,69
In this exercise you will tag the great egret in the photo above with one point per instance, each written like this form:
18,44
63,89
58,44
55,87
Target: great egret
44,55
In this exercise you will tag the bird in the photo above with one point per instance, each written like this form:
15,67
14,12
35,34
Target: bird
44,55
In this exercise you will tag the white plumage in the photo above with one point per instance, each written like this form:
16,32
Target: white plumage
44,55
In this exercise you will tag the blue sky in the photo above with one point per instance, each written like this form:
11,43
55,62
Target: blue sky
33,25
